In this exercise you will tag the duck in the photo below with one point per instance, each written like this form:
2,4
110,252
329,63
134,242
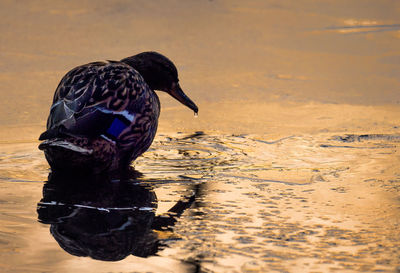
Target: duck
105,114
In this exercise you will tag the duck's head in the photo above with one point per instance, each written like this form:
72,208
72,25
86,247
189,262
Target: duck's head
160,74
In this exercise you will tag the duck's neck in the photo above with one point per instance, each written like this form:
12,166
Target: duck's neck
145,69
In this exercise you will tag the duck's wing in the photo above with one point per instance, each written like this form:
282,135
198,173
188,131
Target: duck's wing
90,97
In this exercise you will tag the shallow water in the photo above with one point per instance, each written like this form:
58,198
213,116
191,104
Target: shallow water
295,204
291,165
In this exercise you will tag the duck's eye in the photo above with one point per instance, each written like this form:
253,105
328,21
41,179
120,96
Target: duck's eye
173,85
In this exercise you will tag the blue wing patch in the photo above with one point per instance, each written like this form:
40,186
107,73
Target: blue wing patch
117,126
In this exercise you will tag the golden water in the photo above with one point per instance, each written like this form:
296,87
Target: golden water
293,159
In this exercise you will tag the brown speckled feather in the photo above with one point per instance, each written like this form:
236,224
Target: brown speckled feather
109,102
105,114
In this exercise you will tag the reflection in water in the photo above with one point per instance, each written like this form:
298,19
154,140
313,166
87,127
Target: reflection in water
103,218
326,202
300,156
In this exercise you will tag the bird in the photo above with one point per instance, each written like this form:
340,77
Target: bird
105,114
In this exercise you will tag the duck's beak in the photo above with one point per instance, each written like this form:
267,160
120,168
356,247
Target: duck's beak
178,94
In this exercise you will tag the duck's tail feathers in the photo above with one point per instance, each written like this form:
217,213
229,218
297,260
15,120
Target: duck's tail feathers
50,133
62,144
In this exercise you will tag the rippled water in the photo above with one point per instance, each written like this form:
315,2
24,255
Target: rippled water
291,165
306,203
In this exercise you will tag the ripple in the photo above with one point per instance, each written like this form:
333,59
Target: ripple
262,204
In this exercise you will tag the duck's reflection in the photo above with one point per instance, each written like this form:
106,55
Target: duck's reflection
104,219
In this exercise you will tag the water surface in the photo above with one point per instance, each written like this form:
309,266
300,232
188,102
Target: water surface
291,166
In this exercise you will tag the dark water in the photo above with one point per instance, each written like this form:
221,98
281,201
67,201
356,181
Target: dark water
211,203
